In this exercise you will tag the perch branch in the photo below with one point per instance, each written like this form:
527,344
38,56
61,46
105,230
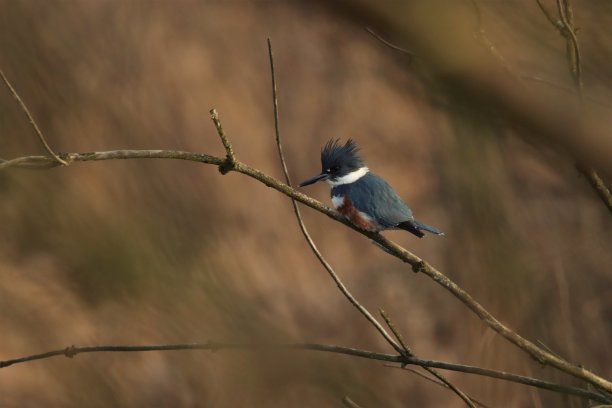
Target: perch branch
418,265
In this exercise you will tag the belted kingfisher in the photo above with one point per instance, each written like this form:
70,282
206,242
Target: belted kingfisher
366,199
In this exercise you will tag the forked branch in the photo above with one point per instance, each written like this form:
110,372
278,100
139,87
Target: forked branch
418,265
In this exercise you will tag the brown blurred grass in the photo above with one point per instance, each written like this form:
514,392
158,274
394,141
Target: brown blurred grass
157,251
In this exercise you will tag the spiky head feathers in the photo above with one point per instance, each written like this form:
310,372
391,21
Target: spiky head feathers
338,158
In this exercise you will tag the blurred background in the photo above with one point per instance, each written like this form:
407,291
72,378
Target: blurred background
160,251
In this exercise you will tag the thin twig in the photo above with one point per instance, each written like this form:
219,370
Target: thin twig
418,264
72,351
467,399
25,109
347,402
33,162
541,343
413,371
298,215
395,332
564,88
482,36
230,161
597,183
549,17
573,50
410,54
432,380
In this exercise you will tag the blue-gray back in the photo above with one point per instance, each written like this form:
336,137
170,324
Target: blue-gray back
373,196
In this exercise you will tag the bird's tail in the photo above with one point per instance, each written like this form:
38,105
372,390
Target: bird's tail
427,228
417,228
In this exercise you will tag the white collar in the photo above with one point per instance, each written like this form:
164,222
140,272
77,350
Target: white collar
349,178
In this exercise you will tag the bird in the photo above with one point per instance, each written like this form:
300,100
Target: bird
364,198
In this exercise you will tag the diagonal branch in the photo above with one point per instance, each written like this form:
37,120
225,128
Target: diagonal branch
72,351
31,119
418,265
311,243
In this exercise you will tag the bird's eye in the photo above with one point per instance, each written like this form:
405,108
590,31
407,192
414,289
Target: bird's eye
328,170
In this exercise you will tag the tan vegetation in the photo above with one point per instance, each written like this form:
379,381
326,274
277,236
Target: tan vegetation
140,252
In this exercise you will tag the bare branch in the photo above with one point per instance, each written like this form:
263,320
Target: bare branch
72,351
45,162
31,119
418,265
311,243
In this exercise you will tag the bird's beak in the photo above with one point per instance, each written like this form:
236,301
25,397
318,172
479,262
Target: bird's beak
312,180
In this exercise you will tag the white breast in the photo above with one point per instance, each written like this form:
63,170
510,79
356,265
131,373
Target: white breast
337,201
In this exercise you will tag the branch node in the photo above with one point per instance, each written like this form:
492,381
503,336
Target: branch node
67,158
70,351
418,266
227,166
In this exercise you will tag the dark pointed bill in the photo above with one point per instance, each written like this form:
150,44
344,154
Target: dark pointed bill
312,180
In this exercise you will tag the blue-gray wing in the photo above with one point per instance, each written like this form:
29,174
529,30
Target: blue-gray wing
375,197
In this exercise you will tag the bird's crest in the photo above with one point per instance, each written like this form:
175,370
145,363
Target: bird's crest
334,153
